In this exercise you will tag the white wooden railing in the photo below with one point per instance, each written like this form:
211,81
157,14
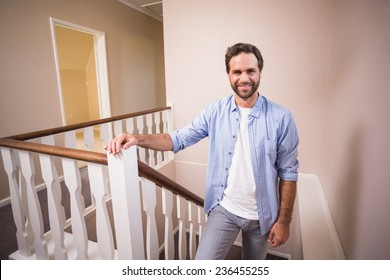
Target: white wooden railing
124,191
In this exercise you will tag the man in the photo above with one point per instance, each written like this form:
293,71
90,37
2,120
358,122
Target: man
253,145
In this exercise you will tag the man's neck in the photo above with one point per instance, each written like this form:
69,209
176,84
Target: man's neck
246,103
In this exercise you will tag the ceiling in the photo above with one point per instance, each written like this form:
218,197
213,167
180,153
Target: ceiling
152,8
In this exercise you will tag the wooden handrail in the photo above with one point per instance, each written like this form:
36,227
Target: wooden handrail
61,129
149,173
143,169
75,154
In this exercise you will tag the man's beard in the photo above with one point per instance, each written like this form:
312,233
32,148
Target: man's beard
255,86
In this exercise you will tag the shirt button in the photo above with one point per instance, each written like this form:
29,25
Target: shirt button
234,136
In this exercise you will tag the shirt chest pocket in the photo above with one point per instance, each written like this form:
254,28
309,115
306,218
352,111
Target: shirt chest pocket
270,148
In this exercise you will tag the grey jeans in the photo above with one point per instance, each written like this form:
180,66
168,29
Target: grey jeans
220,232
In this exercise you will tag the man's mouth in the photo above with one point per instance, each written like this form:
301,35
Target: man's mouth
245,86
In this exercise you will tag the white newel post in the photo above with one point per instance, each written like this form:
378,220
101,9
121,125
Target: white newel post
123,173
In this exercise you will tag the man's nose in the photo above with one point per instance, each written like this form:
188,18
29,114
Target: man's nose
244,77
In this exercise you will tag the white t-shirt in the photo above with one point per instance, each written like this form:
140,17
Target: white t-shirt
239,197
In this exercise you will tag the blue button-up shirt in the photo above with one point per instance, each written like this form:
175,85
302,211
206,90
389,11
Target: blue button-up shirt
273,141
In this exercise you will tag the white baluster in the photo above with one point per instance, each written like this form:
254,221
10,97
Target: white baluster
16,202
158,130
73,183
56,211
34,207
149,124
123,171
106,133
201,219
105,136
118,127
165,118
103,227
89,138
167,208
192,238
140,126
149,204
130,125
24,198
169,117
70,139
182,209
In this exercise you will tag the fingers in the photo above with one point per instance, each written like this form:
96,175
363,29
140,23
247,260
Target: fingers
276,242
275,239
114,146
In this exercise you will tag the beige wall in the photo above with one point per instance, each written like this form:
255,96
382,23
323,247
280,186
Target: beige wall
328,62
355,152
29,98
27,75
294,37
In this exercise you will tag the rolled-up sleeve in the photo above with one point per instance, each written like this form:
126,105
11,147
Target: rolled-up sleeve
192,133
287,162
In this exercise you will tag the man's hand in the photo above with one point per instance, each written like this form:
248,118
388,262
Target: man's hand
115,145
158,142
279,234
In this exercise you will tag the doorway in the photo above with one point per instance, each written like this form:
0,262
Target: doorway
80,56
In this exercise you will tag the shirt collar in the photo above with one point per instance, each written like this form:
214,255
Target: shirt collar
256,109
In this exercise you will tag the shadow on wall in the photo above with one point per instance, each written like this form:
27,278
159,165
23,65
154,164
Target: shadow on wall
349,190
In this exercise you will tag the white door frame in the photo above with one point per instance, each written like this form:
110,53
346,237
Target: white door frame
101,66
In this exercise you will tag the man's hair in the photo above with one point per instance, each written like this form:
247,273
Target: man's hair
243,48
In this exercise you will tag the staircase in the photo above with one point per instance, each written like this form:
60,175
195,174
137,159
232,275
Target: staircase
133,212
70,200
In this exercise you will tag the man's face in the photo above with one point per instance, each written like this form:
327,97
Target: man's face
244,75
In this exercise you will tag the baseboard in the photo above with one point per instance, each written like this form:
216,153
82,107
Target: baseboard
279,254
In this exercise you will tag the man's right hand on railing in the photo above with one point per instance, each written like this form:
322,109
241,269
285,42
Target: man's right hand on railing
159,142
114,146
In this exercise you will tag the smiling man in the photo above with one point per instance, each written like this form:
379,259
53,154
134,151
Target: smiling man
253,166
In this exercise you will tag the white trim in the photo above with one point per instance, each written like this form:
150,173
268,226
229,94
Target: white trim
101,66
57,63
320,239
143,10
102,76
